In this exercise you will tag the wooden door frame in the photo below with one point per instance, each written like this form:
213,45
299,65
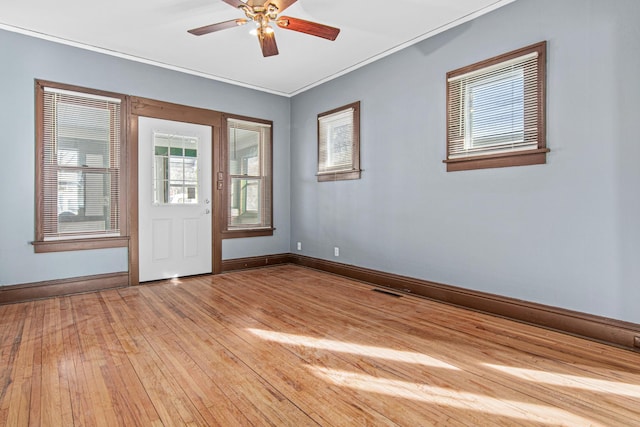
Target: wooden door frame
142,107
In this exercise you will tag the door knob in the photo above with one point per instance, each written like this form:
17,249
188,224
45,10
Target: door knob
207,211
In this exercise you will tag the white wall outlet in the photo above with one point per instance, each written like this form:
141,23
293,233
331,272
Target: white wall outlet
336,251
299,246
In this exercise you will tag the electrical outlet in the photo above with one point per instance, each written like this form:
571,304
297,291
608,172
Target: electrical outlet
299,246
636,342
336,251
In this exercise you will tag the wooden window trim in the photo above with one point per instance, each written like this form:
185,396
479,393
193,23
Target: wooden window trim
225,182
355,171
515,158
255,232
521,158
339,176
80,244
74,243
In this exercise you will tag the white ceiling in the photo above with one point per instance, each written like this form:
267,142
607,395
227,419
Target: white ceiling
155,31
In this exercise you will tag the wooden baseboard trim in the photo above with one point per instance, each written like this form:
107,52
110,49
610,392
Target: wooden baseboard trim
597,328
256,261
601,329
53,288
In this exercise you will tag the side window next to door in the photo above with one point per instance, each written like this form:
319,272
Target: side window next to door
80,191
247,151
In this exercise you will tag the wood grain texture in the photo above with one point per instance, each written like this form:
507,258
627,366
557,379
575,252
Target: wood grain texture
602,329
288,345
51,288
256,262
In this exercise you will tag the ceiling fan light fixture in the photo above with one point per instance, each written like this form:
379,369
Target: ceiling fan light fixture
263,15
261,29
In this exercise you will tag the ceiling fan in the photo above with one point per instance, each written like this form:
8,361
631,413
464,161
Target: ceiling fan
263,14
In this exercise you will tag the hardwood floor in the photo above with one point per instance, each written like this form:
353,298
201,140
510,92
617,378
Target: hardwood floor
290,346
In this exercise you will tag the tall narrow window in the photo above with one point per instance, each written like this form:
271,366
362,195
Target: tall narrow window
249,184
79,149
339,143
495,111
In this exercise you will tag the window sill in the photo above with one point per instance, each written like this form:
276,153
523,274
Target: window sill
79,244
338,176
236,234
518,158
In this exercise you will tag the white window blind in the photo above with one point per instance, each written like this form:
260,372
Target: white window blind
81,165
494,109
335,136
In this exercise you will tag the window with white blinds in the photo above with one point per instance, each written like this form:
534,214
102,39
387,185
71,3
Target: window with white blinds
339,143
79,147
495,109
249,185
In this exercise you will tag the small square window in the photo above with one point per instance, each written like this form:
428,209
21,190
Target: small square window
495,111
339,143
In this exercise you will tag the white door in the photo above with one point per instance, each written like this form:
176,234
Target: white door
174,206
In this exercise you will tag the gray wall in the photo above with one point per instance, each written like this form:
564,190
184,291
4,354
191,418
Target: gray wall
25,59
565,234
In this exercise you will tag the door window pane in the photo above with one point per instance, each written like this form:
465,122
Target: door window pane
175,169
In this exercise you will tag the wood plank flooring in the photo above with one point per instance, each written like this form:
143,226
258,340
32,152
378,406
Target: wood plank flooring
290,346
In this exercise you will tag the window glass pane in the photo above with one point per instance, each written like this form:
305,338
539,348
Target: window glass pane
496,110
175,169
244,144
245,202
84,202
253,166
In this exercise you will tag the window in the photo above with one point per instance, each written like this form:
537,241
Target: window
249,185
495,111
79,143
339,143
175,169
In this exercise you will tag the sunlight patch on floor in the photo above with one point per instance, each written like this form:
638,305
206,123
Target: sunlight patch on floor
570,381
351,348
548,415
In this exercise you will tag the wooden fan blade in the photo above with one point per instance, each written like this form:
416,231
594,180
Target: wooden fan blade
217,27
234,3
268,44
308,27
